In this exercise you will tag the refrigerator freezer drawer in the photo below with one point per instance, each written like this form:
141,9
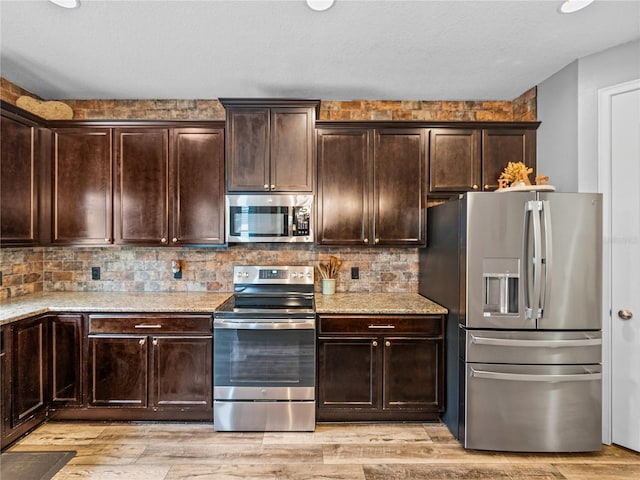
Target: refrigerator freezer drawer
533,408
537,348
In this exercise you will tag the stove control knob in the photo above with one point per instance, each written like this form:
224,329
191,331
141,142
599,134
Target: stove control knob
239,274
246,274
308,274
294,275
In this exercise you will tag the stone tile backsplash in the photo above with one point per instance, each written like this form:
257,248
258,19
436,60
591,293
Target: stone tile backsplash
138,269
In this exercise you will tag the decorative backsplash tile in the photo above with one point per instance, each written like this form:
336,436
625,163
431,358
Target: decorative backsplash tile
138,269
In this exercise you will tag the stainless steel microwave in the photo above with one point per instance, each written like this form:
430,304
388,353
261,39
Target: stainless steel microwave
269,218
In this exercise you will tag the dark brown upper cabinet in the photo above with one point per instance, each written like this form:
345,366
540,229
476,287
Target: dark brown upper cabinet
270,145
142,186
197,186
371,186
82,185
472,159
454,160
19,179
501,146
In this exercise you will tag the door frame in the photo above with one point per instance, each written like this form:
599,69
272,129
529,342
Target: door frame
605,97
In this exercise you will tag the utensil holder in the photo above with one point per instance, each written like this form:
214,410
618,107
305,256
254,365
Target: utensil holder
328,286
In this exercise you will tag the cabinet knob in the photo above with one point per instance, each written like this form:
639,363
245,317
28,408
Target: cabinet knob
107,239
487,186
387,343
377,241
142,341
475,187
174,239
366,241
163,240
155,342
375,343
266,186
273,187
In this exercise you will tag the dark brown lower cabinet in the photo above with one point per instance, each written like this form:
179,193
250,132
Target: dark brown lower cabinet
24,370
148,367
378,367
66,359
118,371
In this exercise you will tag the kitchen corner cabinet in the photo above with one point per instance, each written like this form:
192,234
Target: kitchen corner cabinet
270,145
81,186
472,159
371,186
19,179
380,367
151,366
66,359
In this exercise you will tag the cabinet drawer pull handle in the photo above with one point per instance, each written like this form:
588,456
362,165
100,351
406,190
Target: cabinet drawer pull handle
141,342
374,343
148,325
381,326
387,343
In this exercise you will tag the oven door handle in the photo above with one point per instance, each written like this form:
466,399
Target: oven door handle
265,325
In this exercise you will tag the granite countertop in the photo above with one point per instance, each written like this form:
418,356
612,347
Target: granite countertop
180,302
197,302
377,303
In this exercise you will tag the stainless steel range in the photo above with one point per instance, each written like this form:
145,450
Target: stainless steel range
264,351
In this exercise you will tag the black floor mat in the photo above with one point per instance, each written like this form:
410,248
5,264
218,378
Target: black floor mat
32,465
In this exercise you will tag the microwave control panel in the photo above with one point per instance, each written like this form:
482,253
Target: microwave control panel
301,221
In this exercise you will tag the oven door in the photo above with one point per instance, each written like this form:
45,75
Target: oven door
264,360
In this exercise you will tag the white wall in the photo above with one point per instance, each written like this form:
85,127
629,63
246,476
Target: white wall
568,109
557,135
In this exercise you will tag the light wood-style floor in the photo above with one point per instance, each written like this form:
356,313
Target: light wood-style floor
152,451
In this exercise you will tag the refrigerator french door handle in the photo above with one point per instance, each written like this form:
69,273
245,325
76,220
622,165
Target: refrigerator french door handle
545,292
533,304
523,377
526,262
511,342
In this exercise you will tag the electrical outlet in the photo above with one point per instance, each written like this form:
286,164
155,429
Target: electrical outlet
355,273
95,273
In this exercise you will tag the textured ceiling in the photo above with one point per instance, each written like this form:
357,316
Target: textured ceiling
428,50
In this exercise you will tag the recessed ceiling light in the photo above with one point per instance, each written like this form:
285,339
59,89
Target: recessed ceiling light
320,5
66,3
571,6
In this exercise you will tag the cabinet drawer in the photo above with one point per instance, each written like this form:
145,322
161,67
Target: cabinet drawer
152,323
420,324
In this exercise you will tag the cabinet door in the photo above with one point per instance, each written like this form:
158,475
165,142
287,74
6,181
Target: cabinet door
118,371
182,372
454,160
142,193
499,147
66,359
197,177
291,167
411,373
18,195
82,186
30,369
399,192
348,374
343,186
248,149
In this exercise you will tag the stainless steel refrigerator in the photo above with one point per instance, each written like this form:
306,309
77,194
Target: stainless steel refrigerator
520,273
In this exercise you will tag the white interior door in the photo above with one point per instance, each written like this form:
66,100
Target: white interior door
625,266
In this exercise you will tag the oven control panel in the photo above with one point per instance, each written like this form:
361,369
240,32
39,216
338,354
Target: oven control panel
273,274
